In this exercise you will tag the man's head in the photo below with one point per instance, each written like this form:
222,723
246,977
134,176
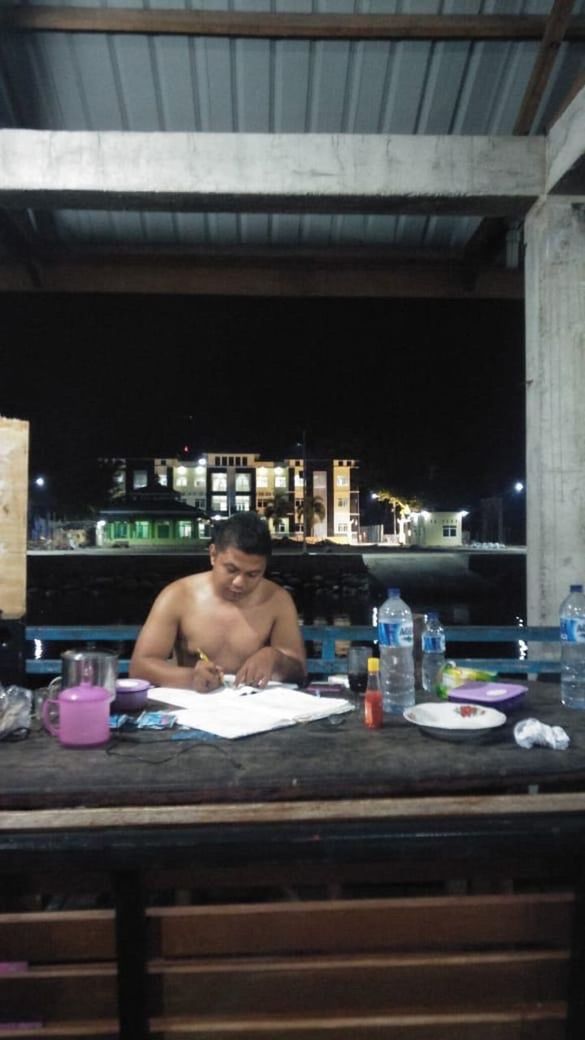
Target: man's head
239,552
243,531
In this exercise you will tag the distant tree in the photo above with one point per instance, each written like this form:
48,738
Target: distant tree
277,508
84,487
406,505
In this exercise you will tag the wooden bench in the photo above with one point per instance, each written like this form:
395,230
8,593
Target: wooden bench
328,645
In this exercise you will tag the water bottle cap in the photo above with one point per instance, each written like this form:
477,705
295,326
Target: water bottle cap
432,615
373,664
393,593
576,588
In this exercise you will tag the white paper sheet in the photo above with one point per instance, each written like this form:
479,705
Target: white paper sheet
246,710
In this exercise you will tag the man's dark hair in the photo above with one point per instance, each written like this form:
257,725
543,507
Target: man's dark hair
244,531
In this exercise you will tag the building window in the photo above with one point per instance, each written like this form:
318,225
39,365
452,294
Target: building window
238,460
219,482
217,463
343,503
180,482
139,479
219,503
162,479
262,477
141,529
242,503
120,530
163,531
224,460
280,482
244,460
230,460
342,528
243,482
299,480
342,481
185,528
449,531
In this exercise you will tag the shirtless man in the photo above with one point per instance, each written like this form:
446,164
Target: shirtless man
230,619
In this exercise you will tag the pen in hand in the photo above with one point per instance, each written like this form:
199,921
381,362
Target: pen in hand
214,673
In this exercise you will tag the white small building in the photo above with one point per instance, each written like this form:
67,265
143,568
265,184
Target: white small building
436,530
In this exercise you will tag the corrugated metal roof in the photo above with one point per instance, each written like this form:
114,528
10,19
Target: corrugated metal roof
96,81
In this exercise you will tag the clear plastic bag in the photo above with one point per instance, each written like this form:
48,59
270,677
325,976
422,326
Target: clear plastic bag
530,733
15,712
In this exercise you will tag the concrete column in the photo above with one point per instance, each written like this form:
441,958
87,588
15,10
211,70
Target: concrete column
555,403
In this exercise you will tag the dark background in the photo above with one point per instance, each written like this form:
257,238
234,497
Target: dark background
428,395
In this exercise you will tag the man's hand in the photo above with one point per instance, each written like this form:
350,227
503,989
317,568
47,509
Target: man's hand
259,668
207,676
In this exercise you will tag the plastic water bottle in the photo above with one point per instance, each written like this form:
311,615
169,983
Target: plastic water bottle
573,648
433,653
395,638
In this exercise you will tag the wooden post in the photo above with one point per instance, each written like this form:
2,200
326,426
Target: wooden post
13,516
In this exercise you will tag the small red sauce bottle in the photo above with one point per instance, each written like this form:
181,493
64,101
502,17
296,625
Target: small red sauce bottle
373,716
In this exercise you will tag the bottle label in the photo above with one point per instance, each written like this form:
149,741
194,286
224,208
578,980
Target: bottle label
395,633
572,630
433,643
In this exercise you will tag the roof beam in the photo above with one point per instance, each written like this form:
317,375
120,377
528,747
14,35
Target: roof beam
280,276
489,237
326,173
566,151
555,32
280,25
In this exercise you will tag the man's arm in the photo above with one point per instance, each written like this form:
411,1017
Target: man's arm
284,659
155,643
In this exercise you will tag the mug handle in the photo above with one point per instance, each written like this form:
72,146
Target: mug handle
48,724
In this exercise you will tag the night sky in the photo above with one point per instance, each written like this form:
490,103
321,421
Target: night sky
431,399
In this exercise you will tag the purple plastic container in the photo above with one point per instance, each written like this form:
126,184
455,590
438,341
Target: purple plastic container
503,696
131,695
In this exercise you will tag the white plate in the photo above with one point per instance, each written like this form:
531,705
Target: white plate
454,721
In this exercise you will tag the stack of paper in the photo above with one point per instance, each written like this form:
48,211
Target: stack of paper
245,710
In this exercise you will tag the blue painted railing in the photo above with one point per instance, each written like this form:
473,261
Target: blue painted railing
329,645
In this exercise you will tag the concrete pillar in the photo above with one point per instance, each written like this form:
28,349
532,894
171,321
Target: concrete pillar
555,403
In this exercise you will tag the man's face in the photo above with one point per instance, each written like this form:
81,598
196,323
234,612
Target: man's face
235,574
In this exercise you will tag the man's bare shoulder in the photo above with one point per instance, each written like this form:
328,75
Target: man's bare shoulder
276,595
184,588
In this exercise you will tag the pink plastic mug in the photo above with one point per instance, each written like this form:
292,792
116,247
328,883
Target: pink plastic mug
84,713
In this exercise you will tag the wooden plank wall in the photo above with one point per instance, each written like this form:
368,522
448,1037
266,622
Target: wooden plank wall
428,967
14,435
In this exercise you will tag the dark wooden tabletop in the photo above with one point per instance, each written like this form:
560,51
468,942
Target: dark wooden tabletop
305,762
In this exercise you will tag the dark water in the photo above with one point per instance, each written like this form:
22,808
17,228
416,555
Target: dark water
328,588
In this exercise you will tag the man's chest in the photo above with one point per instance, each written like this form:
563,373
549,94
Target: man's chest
231,631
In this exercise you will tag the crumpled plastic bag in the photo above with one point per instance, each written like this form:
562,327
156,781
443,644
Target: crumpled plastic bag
15,712
531,732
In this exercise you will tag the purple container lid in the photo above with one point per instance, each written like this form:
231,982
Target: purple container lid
85,692
132,686
493,693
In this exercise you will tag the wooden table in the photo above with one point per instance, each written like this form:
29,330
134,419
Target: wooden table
309,805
